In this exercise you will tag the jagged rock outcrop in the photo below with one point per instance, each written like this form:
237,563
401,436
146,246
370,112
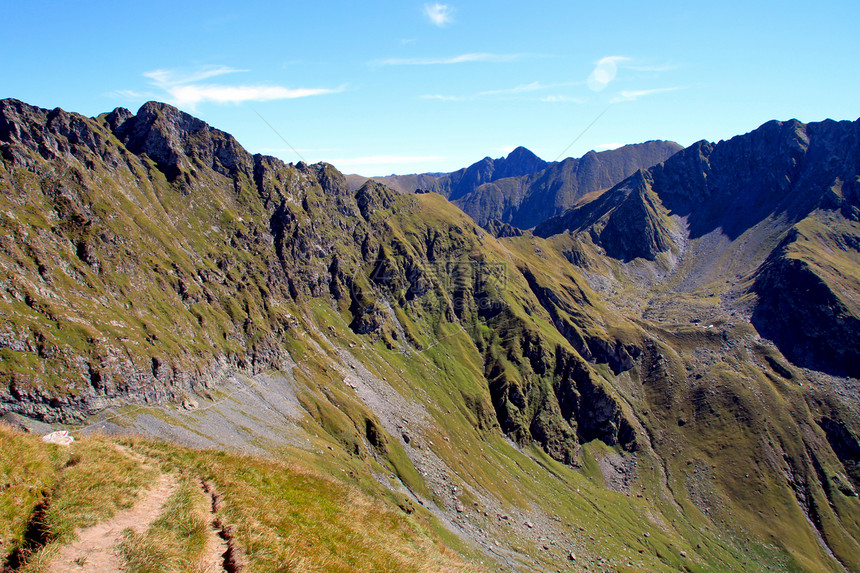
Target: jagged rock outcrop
201,256
761,186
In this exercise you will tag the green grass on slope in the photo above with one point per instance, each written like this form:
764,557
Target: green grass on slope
177,539
596,523
288,517
54,490
28,471
282,516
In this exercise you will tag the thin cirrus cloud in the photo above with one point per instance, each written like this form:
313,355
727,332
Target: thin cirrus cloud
440,97
184,87
163,78
632,95
522,88
517,90
562,99
533,87
461,59
194,94
439,14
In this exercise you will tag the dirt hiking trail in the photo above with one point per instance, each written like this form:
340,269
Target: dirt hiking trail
95,549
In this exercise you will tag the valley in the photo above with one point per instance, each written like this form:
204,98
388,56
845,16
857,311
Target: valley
646,362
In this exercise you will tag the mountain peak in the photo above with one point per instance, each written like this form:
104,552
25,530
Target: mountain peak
522,154
524,194
169,136
671,337
520,161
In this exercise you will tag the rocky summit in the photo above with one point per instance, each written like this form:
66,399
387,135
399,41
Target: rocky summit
661,376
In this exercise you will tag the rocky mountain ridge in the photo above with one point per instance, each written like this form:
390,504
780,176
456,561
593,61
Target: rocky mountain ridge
622,348
523,190
287,257
780,196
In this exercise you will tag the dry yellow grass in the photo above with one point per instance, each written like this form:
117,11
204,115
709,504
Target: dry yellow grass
279,516
284,517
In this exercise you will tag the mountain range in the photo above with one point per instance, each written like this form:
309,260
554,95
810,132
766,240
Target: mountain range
660,376
523,190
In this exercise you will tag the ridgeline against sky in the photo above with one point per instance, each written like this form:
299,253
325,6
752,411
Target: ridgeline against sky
378,88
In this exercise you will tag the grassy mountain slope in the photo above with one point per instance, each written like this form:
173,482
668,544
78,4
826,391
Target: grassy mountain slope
783,197
158,279
292,518
724,243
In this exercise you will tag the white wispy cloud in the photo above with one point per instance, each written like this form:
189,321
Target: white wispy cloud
522,88
632,95
605,70
191,95
183,87
441,97
562,99
438,14
163,77
460,59
133,94
517,90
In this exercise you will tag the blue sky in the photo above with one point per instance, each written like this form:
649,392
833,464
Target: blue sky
403,87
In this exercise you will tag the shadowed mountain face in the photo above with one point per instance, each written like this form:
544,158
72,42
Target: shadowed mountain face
781,170
522,190
684,338
531,199
782,202
460,183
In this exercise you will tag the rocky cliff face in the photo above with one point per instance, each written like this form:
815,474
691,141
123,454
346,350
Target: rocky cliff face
782,169
753,197
181,255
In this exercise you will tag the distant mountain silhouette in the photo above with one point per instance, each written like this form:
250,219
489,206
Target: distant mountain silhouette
524,190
